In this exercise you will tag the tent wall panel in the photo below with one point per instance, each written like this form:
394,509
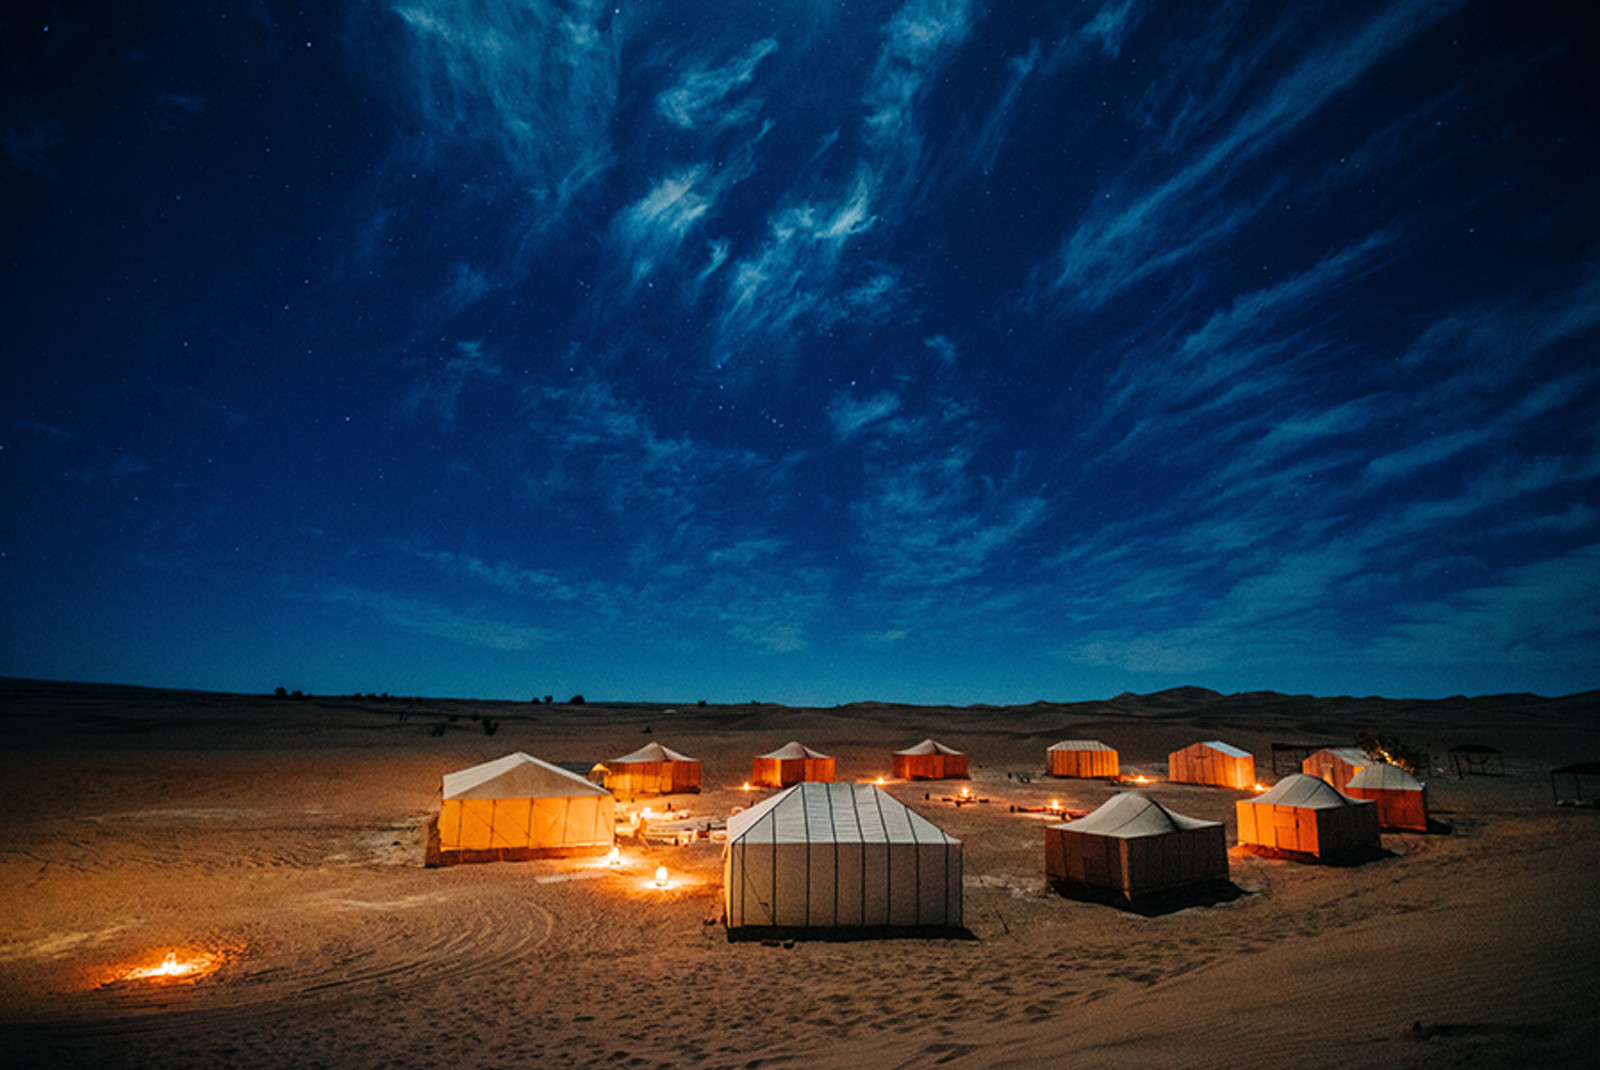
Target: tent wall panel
1336,765
1083,763
1203,763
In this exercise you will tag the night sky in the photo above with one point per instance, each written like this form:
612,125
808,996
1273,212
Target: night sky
796,351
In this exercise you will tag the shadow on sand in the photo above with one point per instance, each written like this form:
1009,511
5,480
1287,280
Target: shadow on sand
1154,904
788,935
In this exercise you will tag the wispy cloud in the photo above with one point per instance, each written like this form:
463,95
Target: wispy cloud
701,94
1151,220
434,620
440,392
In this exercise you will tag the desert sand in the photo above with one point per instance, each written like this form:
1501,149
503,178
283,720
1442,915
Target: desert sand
285,840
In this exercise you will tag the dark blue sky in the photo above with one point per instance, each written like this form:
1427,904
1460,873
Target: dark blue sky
930,351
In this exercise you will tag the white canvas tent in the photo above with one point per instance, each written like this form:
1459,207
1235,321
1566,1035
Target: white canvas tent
1402,799
929,760
827,856
653,770
1336,765
519,807
1306,814
1213,762
1135,846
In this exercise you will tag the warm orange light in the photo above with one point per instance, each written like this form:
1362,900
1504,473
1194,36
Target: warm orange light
615,857
746,786
880,782
661,876
1261,787
965,792
195,964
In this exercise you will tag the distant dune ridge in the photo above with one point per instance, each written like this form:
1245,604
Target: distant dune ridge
279,843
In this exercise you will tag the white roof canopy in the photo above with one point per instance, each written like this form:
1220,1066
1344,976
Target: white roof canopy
792,750
517,776
834,813
653,752
1129,814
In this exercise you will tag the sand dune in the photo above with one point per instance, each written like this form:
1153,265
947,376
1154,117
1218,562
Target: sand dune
286,837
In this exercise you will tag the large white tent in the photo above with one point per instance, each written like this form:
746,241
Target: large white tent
519,807
1135,846
828,855
1306,814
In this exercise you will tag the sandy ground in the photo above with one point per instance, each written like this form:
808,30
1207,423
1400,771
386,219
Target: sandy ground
286,838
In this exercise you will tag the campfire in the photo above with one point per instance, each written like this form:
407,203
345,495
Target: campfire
185,965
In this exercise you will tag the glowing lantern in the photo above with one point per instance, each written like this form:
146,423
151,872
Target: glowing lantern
1055,804
746,786
615,857
966,793
661,876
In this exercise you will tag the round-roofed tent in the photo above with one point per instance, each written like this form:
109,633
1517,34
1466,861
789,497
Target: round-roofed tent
653,770
1082,758
929,760
1402,799
1134,846
1336,765
792,763
1213,762
519,807
1306,814
839,856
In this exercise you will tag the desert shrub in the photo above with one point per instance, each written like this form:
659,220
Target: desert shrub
1395,751
575,700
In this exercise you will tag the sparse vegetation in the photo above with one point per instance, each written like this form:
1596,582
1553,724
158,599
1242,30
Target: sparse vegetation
1412,759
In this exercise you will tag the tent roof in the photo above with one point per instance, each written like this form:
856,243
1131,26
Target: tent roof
1350,755
834,813
517,776
929,746
1382,775
1226,748
1080,744
1306,791
792,750
654,752
1129,814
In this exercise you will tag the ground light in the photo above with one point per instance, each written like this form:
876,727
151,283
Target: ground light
661,876
184,965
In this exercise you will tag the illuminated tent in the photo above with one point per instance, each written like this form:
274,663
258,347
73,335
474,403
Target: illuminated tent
1402,799
826,856
1134,846
653,770
518,807
1212,762
1082,758
929,760
1336,765
791,763
1307,814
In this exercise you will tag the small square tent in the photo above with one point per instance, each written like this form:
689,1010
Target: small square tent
519,807
1134,846
929,760
839,856
653,770
1336,765
1215,763
1082,758
1402,799
1308,815
791,763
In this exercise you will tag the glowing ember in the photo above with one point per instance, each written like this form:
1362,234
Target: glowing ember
661,876
195,965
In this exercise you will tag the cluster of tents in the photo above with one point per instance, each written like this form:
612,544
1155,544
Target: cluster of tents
821,854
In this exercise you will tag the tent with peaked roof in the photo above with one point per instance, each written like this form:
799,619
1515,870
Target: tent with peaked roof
519,807
1082,758
831,856
1132,845
929,760
1336,765
1402,799
791,763
653,770
1213,762
1306,814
